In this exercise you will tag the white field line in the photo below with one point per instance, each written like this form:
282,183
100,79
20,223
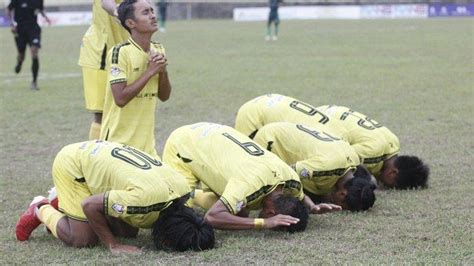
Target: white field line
8,78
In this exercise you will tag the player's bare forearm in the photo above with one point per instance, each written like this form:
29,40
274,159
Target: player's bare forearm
164,86
121,229
93,208
10,15
43,14
124,93
110,7
220,218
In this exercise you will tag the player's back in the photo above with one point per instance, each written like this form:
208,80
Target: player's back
360,127
271,108
320,159
111,166
372,141
219,153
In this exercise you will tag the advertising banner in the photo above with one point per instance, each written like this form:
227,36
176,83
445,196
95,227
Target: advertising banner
58,19
394,11
298,12
451,10
4,22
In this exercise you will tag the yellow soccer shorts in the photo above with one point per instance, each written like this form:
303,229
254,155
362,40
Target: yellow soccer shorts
71,188
95,84
170,157
248,121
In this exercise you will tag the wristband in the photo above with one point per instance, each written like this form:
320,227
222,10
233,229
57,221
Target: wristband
259,223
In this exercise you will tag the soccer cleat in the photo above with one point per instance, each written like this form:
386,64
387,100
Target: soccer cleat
34,86
17,68
28,220
275,38
267,38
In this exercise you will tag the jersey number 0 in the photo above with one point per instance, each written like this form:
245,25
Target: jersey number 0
135,157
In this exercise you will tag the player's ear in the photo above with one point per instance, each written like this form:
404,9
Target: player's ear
130,23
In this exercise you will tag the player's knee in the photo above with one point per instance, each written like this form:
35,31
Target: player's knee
77,233
34,52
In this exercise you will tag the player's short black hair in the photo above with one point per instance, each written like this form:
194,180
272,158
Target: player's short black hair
289,205
412,173
125,11
362,172
179,228
360,194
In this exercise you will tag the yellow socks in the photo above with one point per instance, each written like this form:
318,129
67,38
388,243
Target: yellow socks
94,132
50,217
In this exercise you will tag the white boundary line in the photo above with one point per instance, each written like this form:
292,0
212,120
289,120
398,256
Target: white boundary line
8,78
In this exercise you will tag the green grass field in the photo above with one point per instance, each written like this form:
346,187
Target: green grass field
416,76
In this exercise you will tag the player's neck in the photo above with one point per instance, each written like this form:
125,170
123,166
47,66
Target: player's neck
142,39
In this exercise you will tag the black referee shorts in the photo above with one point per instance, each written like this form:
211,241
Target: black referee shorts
28,35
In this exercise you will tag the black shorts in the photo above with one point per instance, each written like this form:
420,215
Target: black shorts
28,35
273,17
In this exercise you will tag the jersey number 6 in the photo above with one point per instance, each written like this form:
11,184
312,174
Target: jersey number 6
250,147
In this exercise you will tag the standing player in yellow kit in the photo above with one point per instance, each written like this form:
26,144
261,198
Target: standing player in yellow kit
104,32
137,78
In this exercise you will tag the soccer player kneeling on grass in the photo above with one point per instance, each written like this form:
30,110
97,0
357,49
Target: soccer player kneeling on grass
107,189
243,175
324,163
378,149
376,145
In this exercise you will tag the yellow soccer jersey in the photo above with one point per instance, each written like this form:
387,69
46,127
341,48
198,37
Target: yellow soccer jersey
233,166
320,158
137,187
116,33
271,108
372,141
104,32
133,124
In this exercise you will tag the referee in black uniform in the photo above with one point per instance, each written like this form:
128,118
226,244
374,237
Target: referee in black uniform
26,30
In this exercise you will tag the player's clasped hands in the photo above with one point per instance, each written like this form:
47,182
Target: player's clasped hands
324,208
280,220
157,62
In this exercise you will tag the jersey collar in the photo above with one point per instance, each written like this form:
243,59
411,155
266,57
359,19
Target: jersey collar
136,44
